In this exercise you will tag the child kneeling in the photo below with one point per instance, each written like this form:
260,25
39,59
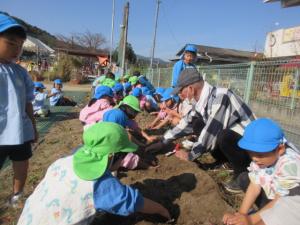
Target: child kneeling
274,170
77,186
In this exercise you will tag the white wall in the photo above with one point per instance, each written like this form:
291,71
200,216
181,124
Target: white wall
283,42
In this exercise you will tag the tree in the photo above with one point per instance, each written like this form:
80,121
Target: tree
130,54
92,41
88,40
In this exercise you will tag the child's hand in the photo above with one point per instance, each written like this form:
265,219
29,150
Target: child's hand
226,217
238,219
152,139
182,155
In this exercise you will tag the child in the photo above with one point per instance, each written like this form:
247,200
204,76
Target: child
118,92
169,111
17,124
77,186
150,103
131,160
57,98
274,170
98,105
130,106
133,81
189,55
127,88
39,107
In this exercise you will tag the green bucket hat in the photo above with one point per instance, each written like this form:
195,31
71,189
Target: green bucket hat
133,80
100,141
131,101
109,82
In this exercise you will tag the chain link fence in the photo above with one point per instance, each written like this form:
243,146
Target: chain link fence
271,88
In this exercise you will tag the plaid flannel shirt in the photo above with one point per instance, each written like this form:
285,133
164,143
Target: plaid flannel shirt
223,110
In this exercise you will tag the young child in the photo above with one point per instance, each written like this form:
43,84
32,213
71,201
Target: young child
98,105
118,90
130,106
189,55
131,160
275,171
127,88
57,98
77,186
169,113
39,107
17,124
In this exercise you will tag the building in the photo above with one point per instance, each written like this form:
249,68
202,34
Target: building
283,42
214,55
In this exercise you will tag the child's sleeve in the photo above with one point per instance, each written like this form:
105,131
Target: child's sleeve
29,85
287,177
113,197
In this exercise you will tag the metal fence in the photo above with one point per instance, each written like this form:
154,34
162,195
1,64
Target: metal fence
271,88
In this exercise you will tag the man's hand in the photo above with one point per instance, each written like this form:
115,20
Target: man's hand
182,155
237,219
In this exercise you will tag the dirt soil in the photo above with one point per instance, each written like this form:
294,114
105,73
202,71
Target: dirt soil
191,194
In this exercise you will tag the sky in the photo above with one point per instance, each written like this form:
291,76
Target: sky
236,24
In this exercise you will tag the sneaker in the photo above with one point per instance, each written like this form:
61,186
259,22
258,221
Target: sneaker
15,200
233,186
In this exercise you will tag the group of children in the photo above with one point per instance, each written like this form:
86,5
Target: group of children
56,98
77,186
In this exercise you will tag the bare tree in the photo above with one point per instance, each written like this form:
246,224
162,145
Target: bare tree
92,41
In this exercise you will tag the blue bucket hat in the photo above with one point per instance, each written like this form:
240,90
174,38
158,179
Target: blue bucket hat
190,48
137,92
39,85
116,116
159,91
103,91
167,94
58,81
7,22
127,86
146,91
261,135
118,87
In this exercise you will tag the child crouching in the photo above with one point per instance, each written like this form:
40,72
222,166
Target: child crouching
274,171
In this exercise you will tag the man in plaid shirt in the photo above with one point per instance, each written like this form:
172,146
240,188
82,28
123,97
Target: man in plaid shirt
223,116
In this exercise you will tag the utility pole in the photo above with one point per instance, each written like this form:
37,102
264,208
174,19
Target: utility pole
154,35
123,39
112,32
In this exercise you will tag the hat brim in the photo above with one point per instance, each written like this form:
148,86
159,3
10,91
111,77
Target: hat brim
256,147
122,103
88,167
165,99
176,90
4,28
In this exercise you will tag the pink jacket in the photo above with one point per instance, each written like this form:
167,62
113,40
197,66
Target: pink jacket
94,113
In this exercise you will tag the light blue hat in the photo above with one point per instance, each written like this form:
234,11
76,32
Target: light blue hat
7,22
103,91
261,135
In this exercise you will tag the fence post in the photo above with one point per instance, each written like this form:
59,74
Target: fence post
158,81
249,81
218,77
295,90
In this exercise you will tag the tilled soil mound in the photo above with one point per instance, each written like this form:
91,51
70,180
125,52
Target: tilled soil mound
187,191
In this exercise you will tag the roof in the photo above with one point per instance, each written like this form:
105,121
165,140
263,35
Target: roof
72,51
215,55
285,3
33,44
